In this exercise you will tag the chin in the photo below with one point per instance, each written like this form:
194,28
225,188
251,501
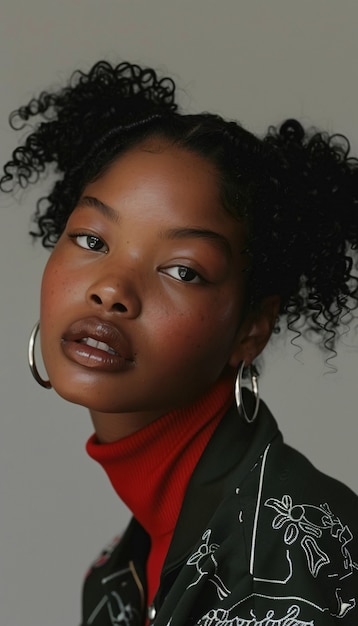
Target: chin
89,399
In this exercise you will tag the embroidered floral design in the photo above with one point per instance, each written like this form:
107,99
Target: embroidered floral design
309,524
288,514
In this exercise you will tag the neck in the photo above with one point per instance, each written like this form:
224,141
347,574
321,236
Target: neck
111,427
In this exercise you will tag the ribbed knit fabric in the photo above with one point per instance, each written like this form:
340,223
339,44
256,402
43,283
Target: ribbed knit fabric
151,468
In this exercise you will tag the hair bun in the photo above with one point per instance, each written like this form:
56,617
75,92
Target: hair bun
292,130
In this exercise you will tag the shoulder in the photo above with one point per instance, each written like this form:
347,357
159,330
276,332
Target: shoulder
287,535
304,536
287,472
280,469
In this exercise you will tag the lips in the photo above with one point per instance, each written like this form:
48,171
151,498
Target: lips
93,343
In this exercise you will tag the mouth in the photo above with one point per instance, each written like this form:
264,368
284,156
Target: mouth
95,344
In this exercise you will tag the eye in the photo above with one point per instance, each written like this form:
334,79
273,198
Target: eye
89,242
183,274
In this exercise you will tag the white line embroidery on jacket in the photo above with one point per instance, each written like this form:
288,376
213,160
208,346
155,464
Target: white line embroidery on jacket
221,617
344,607
120,614
309,524
296,517
199,558
258,504
97,610
284,580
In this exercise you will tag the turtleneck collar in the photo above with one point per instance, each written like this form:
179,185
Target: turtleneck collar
150,469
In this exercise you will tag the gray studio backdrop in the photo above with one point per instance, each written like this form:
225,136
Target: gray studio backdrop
256,61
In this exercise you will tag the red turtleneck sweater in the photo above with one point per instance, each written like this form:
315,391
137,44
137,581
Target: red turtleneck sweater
151,468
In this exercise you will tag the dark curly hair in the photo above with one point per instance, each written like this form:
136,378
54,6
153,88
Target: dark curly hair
297,191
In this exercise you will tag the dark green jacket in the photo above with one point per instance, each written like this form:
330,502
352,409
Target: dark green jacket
263,539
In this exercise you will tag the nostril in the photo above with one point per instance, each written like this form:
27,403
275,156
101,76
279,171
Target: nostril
119,307
116,306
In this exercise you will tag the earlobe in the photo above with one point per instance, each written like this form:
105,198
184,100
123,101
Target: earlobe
254,332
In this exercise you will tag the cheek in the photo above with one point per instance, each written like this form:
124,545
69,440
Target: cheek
51,298
48,291
208,333
56,288
57,285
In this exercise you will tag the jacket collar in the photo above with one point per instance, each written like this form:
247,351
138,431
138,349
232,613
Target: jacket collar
231,453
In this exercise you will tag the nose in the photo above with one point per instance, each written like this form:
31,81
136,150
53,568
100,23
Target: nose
111,294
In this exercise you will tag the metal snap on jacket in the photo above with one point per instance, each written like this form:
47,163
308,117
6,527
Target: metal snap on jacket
151,612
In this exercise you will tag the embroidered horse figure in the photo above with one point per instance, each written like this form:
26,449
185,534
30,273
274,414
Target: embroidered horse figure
200,560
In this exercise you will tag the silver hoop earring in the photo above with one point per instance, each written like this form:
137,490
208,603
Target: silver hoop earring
255,390
31,358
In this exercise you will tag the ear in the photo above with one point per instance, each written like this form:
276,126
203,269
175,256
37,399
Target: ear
254,332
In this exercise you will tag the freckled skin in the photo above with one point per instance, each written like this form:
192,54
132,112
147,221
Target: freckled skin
182,335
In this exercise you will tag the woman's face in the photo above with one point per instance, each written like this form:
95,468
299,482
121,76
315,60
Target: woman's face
142,296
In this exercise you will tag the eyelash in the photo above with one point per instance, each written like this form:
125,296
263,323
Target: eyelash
197,278
77,236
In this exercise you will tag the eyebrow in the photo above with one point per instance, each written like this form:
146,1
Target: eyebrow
198,233
95,203
171,233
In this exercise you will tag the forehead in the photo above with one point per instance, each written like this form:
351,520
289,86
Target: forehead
157,174
163,191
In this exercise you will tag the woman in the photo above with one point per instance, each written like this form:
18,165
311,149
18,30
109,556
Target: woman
180,243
